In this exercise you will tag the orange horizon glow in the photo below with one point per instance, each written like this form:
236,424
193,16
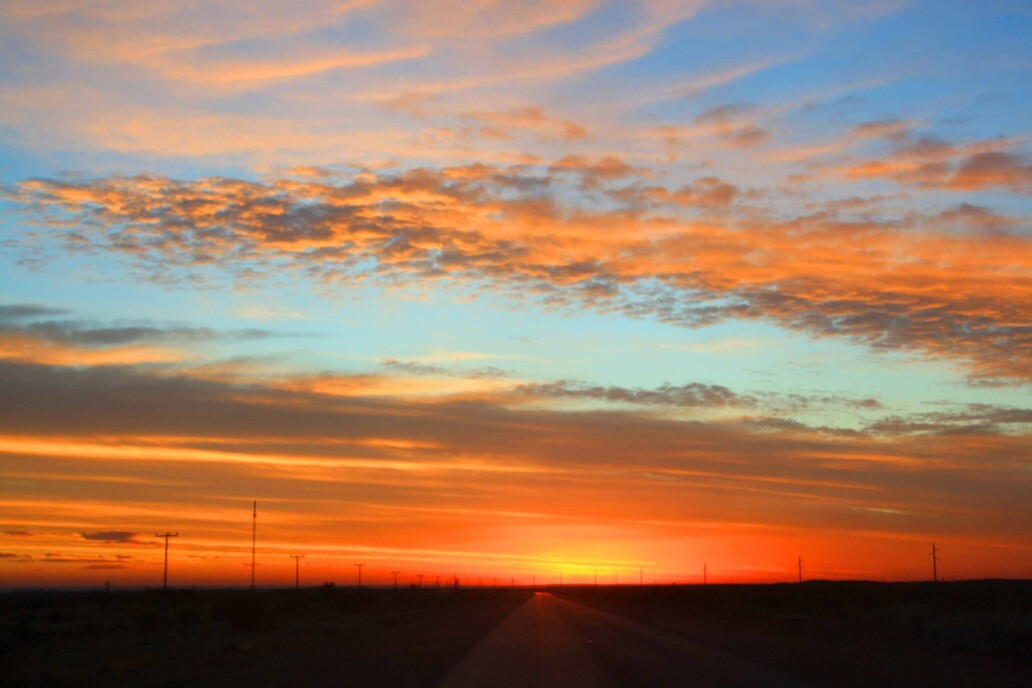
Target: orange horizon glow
499,290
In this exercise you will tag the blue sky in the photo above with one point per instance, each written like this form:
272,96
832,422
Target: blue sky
799,225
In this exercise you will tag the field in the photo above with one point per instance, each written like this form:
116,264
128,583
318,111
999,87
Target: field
314,637
973,633
835,634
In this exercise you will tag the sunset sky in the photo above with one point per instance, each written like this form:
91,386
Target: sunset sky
513,289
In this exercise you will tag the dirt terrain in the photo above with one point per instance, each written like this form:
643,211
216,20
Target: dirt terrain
849,634
968,634
315,637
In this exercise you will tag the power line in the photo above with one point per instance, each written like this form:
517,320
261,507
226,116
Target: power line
360,574
164,580
297,569
254,539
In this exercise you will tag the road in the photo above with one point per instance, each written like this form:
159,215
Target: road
554,642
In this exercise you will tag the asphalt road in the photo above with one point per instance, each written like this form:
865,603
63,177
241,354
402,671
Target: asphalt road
554,642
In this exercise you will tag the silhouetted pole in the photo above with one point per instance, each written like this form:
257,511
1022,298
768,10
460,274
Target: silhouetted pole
395,574
800,565
935,563
164,579
420,577
705,575
641,577
254,539
360,574
297,569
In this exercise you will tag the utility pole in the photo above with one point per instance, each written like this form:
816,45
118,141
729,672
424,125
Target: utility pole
395,574
935,563
420,577
297,569
800,565
254,538
360,574
705,574
164,579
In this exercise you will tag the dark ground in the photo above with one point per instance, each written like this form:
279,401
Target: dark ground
314,637
976,633
849,634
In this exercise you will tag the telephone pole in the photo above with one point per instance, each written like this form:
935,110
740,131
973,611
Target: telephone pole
935,563
164,579
395,574
420,577
297,569
360,574
254,539
705,574
800,565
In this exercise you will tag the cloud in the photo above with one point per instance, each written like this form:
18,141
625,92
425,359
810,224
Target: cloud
527,120
417,368
696,254
926,160
993,169
456,19
472,469
733,123
24,335
972,418
110,536
688,395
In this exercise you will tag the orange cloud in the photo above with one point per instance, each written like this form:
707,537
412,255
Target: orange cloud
902,284
33,350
